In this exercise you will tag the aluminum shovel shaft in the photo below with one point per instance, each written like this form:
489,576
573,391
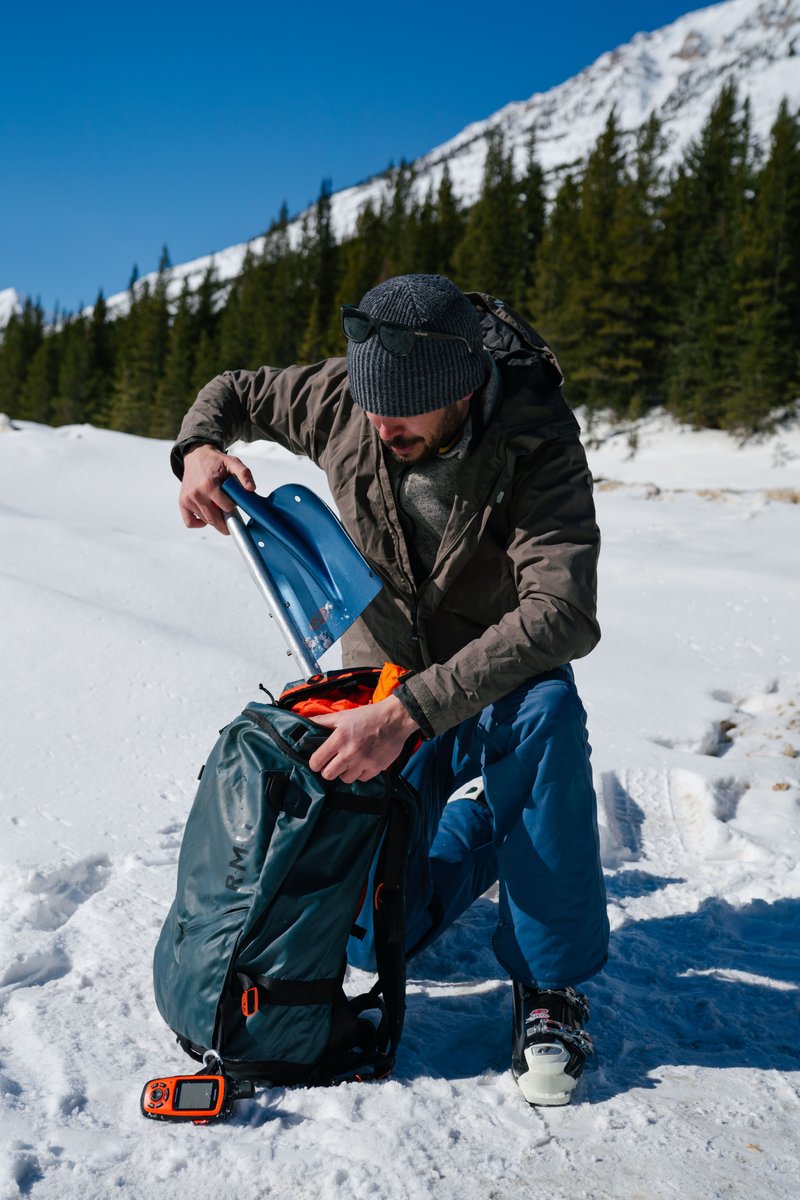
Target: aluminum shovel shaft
277,607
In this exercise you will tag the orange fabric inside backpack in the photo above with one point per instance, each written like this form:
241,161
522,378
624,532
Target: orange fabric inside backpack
388,680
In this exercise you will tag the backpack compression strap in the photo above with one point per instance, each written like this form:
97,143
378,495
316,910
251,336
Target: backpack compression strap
294,993
389,918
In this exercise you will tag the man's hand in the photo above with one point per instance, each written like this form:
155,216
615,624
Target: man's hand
364,742
202,502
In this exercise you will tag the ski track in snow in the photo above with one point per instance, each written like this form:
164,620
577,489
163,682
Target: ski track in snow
127,643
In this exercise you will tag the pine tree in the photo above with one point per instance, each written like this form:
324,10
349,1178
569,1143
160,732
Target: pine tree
101,335
703,219
490,256
21,339
173,394
41,381
286,308
141,356
71,405
554,303
129,409
434,229
266,313
451,224
767,333
634,301
363,258
424,237
207,362
573,297
205,332
243,314
594,304
322,263
400,222
532,199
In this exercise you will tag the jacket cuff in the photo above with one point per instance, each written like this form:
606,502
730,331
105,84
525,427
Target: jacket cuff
414,710
178,452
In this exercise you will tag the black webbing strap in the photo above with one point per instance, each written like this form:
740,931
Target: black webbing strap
389,917
292,993
348,802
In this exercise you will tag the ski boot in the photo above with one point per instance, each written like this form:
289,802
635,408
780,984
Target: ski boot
550,1045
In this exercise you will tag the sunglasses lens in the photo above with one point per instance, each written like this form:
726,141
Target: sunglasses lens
396,341
356,326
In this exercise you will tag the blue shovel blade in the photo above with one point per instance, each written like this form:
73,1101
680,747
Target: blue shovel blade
322,578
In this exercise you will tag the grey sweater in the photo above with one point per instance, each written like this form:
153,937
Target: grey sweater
424,491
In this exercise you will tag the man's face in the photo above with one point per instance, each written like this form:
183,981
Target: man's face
415,439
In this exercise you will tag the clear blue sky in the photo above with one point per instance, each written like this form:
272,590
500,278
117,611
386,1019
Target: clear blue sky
127,126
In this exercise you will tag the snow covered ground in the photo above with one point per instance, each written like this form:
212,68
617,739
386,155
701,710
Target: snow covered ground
127,642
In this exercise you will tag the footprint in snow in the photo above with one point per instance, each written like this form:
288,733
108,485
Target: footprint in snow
622,833
762,724
709,810
26,1167
35,969
670,816
55,895
171,835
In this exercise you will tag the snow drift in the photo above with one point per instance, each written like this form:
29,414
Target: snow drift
126,645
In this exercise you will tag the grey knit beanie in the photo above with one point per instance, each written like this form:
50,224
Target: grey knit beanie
436,373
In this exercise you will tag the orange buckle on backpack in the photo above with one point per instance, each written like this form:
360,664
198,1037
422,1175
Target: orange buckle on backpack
250,1001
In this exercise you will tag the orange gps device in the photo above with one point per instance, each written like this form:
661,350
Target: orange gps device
199,1098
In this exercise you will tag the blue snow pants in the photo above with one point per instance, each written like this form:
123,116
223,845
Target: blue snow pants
537,837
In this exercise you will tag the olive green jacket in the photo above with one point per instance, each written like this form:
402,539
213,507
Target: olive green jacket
512,592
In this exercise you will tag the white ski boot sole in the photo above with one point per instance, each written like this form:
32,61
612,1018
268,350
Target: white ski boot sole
546,1080
471,790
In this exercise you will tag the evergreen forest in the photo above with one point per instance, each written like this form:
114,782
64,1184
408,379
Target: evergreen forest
677,289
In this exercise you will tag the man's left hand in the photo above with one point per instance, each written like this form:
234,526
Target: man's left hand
364,742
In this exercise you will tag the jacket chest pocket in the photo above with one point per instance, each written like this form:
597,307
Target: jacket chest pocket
479,581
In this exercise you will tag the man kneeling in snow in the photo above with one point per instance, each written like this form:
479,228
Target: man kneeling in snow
457,470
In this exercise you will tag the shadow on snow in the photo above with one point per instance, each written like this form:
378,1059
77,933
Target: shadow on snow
718,987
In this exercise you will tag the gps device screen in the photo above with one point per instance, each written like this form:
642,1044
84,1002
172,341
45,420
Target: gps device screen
196,1096
200,1098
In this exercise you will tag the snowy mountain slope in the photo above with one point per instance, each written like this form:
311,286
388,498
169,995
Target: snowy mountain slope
126,642
676,71
10,303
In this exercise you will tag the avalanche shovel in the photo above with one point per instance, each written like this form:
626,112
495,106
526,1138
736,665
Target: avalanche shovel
313,578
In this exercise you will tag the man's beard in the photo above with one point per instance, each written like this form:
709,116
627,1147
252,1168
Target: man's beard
453,421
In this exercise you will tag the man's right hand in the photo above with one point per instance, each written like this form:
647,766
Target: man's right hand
202,501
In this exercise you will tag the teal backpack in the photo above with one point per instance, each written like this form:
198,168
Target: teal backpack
275,868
